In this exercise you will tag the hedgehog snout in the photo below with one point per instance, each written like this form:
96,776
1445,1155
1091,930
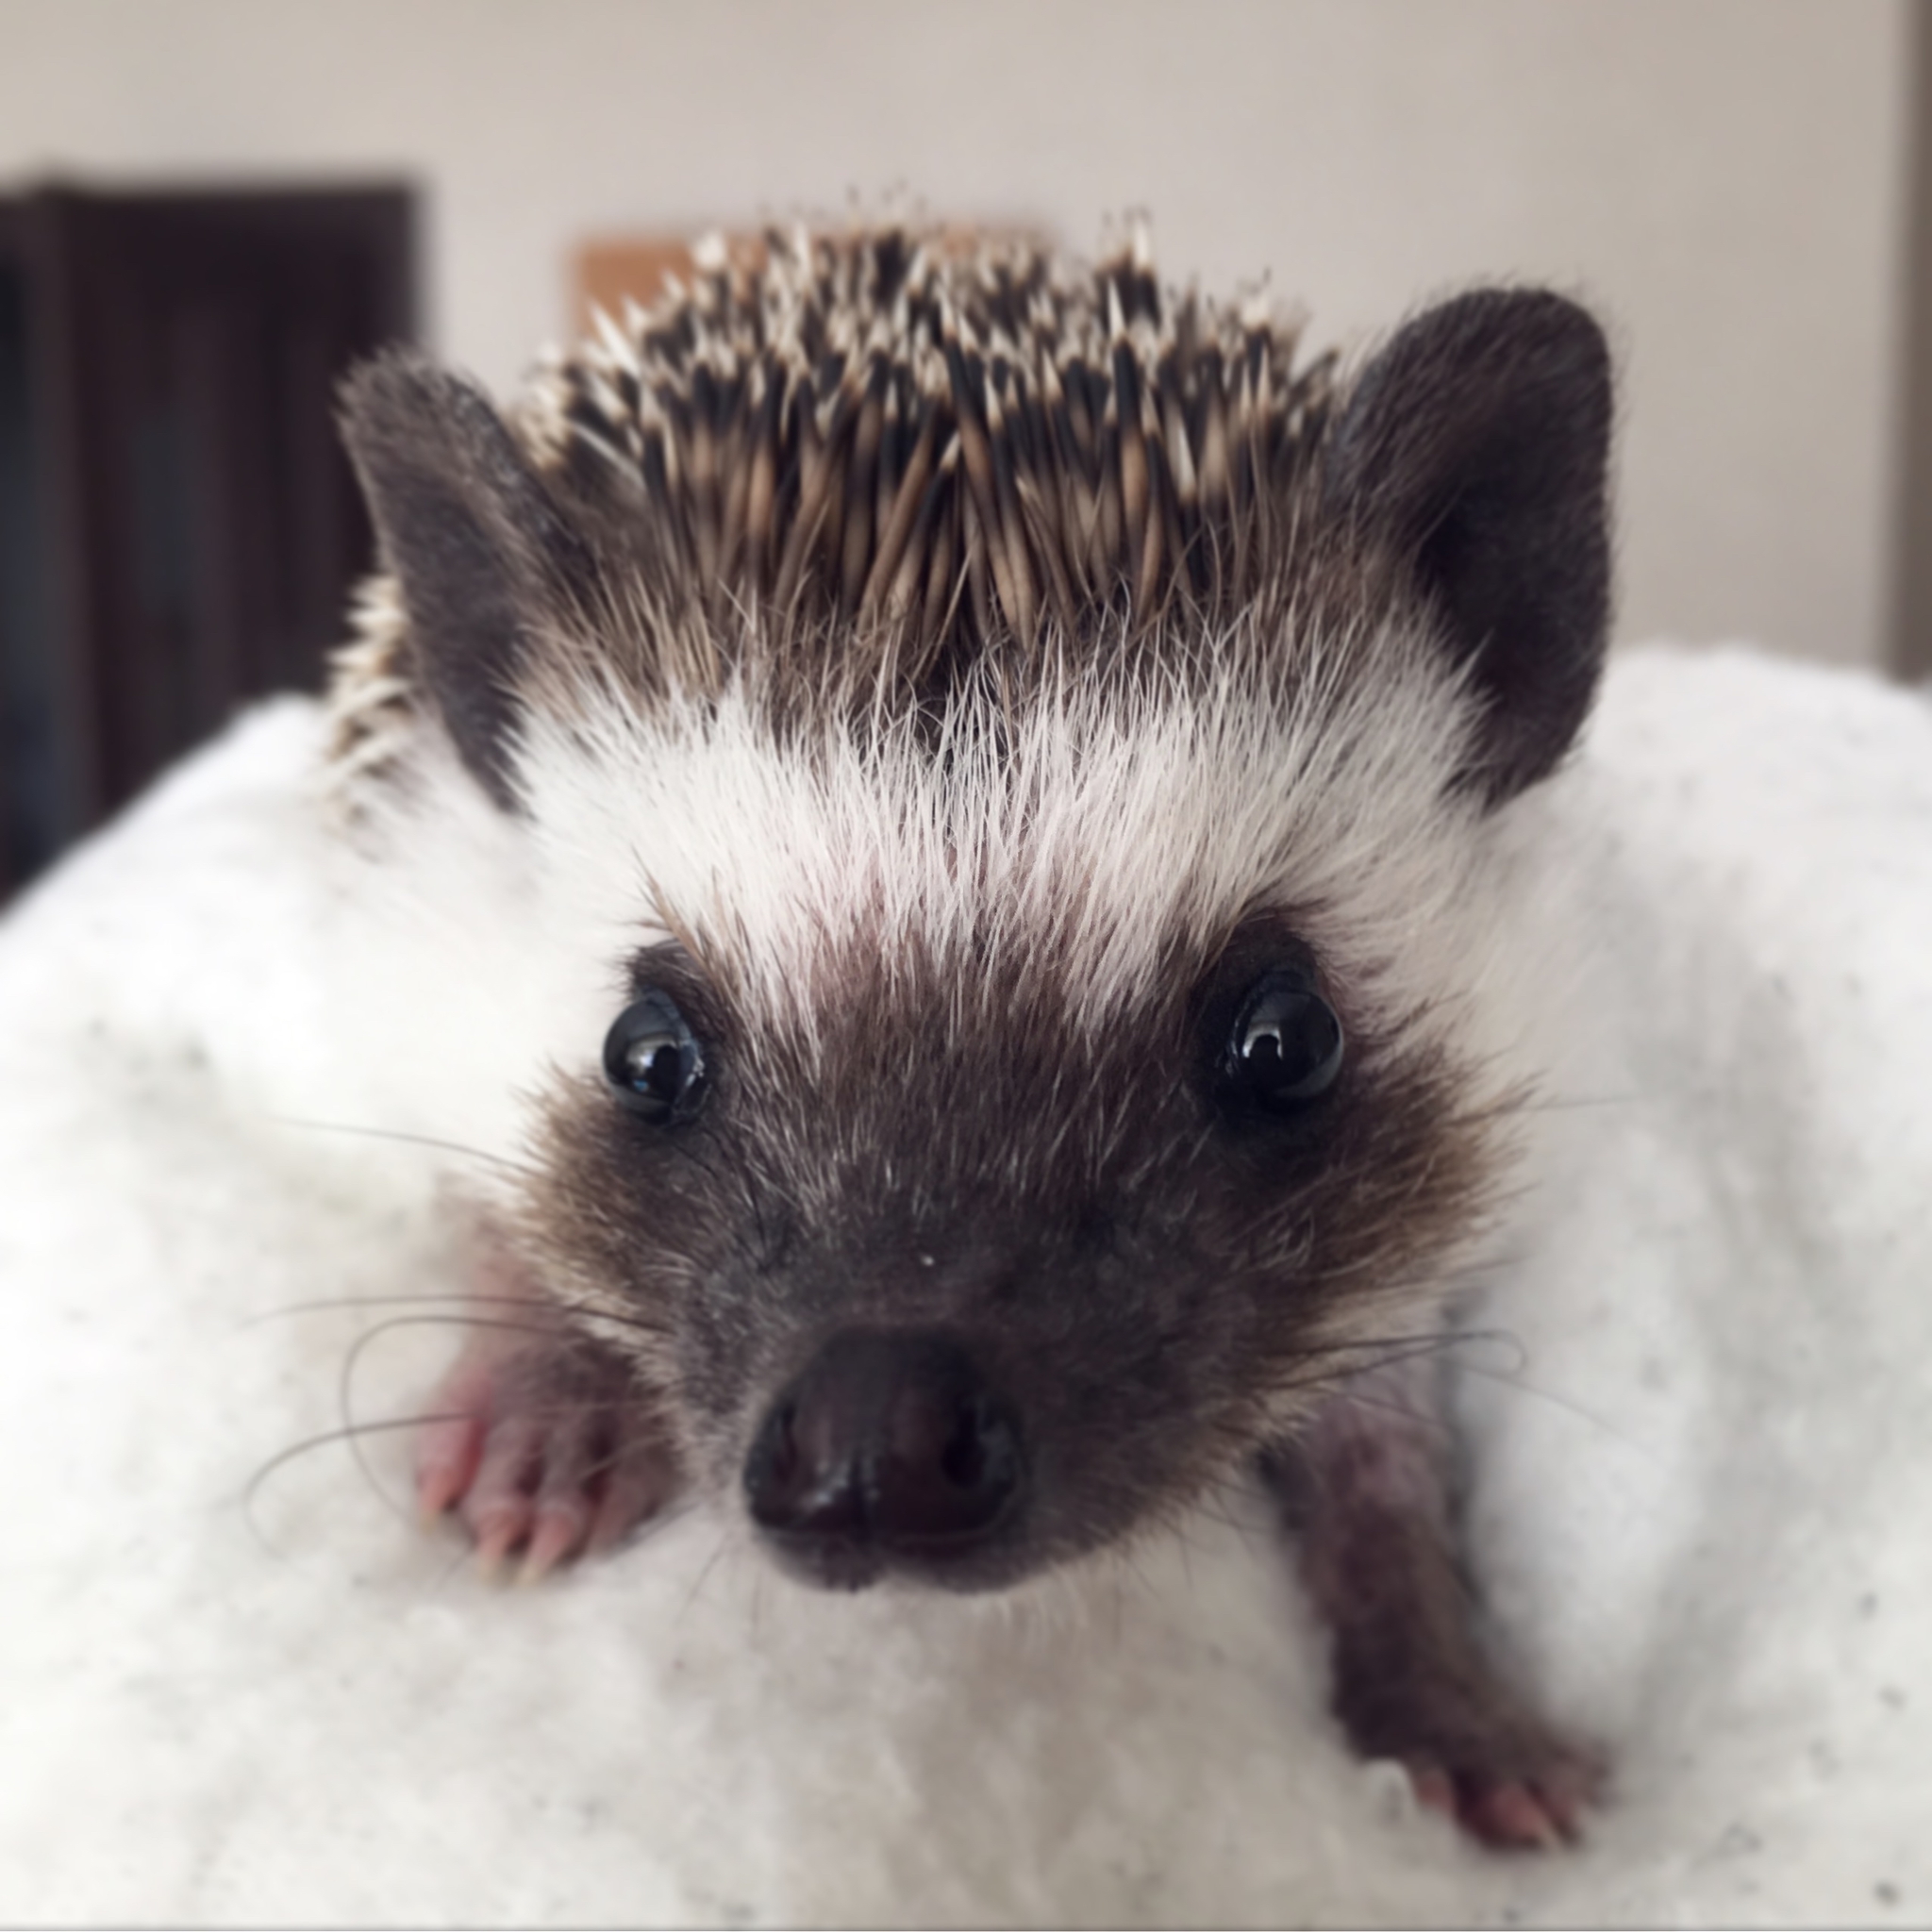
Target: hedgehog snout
889,1451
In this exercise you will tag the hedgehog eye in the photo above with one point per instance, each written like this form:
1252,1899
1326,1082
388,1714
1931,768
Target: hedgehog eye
653,1061
1287,1047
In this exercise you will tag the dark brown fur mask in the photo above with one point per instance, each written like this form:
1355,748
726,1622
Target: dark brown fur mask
1024,759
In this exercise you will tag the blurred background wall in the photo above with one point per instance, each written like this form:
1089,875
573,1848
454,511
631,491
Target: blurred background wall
1725,179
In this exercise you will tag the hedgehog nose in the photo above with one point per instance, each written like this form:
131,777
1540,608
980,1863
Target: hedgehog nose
888,1445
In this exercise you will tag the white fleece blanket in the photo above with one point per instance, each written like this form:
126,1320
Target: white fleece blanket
1702,1512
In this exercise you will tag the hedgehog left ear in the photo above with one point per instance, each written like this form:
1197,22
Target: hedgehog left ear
480,551
1476,447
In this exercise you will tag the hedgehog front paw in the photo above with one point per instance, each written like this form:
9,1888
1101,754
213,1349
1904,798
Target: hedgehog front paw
1474,1755
1363,1487
543,1446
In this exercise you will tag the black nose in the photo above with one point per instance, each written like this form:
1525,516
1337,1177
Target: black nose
888,1445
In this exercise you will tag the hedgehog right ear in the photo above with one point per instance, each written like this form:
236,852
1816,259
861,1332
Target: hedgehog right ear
477,547
1476,448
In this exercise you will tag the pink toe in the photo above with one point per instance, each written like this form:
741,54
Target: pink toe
498,1504
449,1451
1512,1815
635,1489
1435,1789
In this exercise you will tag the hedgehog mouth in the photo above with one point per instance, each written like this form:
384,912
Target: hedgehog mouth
855,1558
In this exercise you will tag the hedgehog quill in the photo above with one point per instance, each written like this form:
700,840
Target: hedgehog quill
1025,768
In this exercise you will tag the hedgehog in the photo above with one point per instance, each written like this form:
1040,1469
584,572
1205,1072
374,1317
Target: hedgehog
989,793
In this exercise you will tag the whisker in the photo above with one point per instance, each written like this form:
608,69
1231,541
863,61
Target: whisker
345,1395
1439,1338
521,1168
333,1304
350,1431
1389,1405
462,1560
704,1575
687,1502
549,1316
342,1433
1393,1351
1589,1102
556,1312
1562,1401
1379,1357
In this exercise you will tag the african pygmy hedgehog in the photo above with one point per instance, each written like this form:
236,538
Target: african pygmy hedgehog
1015,769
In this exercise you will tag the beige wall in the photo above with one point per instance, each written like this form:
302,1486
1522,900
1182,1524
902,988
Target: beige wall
1723,177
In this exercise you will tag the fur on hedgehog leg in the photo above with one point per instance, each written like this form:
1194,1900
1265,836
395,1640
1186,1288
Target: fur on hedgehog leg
538,1436
1363,1488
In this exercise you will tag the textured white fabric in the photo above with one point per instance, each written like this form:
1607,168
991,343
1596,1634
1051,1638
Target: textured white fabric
1702,1459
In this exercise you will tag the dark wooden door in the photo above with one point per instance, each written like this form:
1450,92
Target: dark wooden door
179,527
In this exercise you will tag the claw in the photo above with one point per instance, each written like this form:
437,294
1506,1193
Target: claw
495,1542
558,1534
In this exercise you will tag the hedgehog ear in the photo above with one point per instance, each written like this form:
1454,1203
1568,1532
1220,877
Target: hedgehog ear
1477,446
478,548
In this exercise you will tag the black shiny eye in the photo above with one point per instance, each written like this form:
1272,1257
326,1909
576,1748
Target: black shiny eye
1286,1047
654,1062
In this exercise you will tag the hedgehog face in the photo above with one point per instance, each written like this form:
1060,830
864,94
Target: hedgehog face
985,1077
1043,771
